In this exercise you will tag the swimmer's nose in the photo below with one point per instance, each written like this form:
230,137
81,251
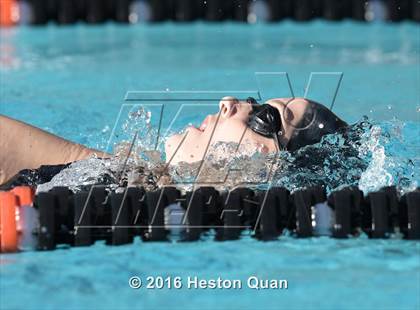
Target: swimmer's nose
227,106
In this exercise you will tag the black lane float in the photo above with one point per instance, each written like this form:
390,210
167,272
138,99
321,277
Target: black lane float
61,217
99,11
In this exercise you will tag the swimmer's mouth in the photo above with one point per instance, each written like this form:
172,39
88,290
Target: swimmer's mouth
204,124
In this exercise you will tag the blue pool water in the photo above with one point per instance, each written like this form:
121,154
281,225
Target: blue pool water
73,80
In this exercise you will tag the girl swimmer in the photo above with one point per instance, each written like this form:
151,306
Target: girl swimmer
280,124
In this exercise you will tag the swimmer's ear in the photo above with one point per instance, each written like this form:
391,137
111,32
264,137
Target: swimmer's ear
283,102
288,115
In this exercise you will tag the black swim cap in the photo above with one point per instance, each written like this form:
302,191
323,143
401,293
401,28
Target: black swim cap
317,122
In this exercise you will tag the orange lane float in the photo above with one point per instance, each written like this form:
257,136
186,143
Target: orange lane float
15,207
9,12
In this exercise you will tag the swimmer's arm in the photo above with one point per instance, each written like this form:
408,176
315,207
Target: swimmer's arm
23,146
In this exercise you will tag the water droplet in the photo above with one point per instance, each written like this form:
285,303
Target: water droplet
105,129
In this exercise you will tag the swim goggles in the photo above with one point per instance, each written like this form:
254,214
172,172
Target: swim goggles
265,120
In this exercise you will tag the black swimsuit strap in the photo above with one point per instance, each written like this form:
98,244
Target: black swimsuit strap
33,177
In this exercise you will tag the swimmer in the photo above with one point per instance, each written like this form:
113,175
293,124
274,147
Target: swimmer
280,124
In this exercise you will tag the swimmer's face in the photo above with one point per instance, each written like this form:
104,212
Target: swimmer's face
229,125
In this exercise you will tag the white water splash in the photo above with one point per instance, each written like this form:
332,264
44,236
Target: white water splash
83,173
376,175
